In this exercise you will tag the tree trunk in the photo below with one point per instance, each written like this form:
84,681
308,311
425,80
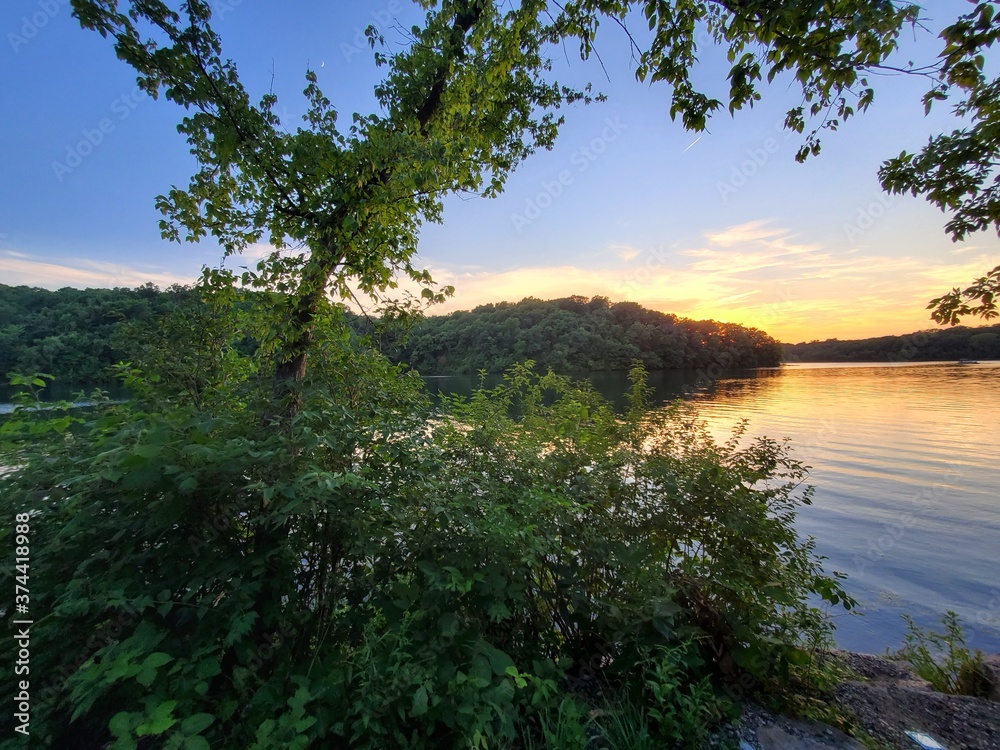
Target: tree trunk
290,369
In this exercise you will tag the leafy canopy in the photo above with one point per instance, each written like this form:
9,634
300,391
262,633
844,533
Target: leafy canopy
951,307
375,573
462,105
958,171
829,47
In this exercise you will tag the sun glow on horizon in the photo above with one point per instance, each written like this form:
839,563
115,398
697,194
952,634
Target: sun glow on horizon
755,274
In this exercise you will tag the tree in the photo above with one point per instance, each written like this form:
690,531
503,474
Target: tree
318,563
463,105
951,307
958,171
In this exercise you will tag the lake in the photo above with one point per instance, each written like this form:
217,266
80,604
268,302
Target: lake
905,463
59,391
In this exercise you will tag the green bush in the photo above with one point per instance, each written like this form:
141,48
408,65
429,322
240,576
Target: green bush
384,573
943,659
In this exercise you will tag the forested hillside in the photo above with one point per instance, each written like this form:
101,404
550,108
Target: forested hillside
924,346
75,335
71,333
579,334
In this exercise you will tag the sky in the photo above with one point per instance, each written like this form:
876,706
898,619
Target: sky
628,205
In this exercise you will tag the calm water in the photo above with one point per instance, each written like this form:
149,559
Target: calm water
905,463
57,391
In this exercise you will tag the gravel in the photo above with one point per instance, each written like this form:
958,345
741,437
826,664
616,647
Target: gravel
884,700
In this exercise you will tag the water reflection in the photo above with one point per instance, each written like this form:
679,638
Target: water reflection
666,385
58,391
904,460
907,484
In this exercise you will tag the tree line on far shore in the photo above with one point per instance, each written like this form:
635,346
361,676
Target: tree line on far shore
960,342
74,333
578,334
77,334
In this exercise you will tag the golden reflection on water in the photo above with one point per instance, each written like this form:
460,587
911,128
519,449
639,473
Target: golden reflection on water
904,460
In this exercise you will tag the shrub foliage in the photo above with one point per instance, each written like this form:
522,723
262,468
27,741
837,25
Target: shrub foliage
944,660
388,572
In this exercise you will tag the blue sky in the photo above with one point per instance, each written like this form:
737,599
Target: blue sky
627,205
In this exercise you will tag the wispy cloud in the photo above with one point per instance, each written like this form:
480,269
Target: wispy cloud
626,252
756,274
20,269
743,233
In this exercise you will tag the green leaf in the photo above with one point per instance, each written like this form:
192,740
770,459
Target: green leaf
207,667
499,661
196,723
121,724
159,720
419,702
147,670
148,451
240,627
157,659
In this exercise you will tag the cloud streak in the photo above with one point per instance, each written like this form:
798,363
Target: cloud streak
19,269
755,274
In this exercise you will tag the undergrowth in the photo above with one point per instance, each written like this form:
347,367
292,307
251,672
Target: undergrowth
944,660
520,568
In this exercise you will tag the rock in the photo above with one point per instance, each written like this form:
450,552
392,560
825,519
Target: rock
885,709
887,700
992,663
875,668
797,735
